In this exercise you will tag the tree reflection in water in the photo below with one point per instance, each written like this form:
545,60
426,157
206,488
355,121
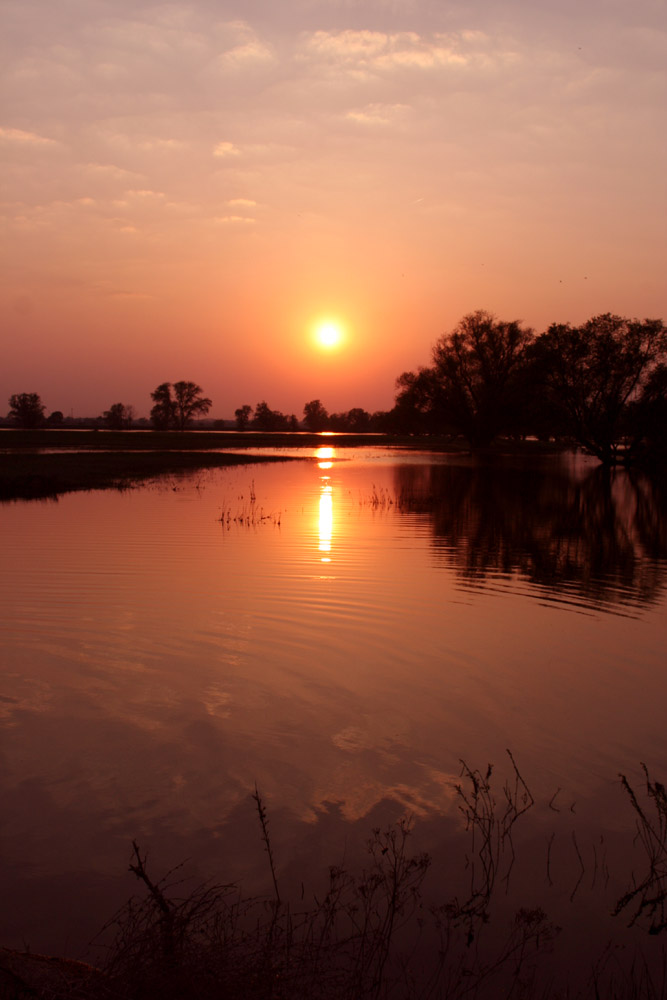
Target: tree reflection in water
594,534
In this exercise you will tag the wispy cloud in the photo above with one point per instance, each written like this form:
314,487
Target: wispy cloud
381,52
377,114
144,193
226,149
234,220
248,54
21,138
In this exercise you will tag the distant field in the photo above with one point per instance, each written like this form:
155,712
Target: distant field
191,440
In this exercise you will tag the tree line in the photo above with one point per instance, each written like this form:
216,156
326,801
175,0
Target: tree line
601,385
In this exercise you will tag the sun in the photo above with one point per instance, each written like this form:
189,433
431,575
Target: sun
329,334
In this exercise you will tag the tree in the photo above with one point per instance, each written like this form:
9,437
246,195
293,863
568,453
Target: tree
266,419
162,414
243,417
118,416
603,380
26,410
651,410
177,410
55,419
478,369
189,402
419,407
315,417
474,385
356,420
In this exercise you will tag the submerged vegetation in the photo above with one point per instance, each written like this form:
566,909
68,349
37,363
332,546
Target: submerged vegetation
384,931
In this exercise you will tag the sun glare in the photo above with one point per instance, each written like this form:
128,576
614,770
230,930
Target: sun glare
328,334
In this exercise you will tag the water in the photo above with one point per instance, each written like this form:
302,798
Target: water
340,631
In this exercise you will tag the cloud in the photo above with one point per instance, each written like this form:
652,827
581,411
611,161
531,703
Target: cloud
252,52
376,114
18,136
227,220
377,49
144,193
161,144
242,203
225,149
110,170
348,46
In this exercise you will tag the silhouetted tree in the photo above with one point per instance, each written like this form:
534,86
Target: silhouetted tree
358,420
419,405
266,419
177,410
477,368
382,422
315,417
118,416
603,380
55,419
649,415
189,402
474,385
162,414
26,410
243,417
355,421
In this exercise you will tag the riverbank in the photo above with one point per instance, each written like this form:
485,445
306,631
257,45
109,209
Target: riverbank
44,463
39,475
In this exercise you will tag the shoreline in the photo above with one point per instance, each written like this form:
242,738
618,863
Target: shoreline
39,476
31,468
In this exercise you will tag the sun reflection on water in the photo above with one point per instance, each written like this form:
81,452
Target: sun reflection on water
325,525
325,455
326,518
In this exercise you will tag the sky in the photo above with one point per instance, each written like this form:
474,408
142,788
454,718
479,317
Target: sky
189,189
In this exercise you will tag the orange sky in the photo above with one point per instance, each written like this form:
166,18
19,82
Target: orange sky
187,188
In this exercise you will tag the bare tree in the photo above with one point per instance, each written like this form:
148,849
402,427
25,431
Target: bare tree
189,402
178,408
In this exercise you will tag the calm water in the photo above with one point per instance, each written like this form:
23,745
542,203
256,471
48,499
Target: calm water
341,631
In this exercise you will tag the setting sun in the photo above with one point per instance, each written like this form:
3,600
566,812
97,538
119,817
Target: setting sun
328,334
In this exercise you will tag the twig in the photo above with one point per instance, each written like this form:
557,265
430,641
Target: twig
265,837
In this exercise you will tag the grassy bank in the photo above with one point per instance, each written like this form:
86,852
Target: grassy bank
33,475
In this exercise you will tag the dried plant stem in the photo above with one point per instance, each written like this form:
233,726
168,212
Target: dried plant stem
267,843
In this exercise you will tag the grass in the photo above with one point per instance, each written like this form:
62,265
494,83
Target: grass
38,475
371,934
